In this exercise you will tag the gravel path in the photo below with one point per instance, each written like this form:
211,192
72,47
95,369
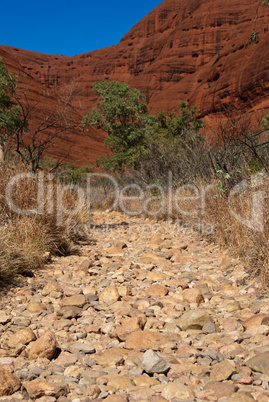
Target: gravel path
147,312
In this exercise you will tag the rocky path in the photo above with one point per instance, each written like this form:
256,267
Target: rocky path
147,313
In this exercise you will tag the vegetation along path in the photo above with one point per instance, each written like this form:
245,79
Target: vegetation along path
147,312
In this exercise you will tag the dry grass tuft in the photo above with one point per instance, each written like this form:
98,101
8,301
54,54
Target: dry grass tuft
248,243
26,240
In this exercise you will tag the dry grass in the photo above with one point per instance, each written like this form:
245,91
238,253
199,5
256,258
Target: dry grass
23,244
249,244
26,240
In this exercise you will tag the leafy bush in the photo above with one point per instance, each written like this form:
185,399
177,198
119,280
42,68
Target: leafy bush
121,112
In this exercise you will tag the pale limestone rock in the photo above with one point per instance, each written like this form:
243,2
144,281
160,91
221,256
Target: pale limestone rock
121,382
117,398
221,389
77,301
178,390
152,363
39,387
242,396
24,336
157,290
145,381
109,295
143,340
193,295
93,391
260,319
36,307
51,287
193,319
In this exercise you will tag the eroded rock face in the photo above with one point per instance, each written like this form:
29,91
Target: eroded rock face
74,144
183,50
179,51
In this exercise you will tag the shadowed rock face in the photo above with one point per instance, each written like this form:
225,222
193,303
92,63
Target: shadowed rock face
189,50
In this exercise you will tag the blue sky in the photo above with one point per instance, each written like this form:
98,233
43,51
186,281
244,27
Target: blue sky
69,27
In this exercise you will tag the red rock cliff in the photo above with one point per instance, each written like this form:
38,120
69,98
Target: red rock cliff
194,50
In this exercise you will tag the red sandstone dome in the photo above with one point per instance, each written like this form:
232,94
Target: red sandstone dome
191,50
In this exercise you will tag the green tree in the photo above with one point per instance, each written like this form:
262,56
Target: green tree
186,121
10,113
145,144
122,112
